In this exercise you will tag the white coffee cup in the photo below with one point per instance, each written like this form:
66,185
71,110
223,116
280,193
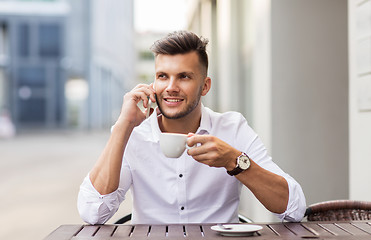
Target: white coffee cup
173,144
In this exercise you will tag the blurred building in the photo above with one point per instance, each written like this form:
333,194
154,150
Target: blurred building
112,60
32,47
284,65
79,46
145,61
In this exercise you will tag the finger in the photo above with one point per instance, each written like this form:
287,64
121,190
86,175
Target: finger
198,157
148,89
152,87
208,159
198,139
200,150
204,159
152,92
153,97
145,90
140,86
150,95
138,96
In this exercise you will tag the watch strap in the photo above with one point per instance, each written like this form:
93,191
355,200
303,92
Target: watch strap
238,169
235,171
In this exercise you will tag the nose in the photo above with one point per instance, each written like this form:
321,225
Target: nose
172,85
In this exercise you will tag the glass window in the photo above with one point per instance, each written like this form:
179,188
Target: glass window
23,40
59,97
32,110
38,0
3,39
31,76
50,40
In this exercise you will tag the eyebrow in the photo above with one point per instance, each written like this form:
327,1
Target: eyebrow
186,73
178,74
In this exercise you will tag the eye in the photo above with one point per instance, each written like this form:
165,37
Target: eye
161,76
185,76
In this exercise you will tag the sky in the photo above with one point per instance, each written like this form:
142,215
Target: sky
159,15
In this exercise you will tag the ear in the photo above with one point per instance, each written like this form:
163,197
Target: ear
206,87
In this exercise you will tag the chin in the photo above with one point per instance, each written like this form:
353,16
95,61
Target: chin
173,114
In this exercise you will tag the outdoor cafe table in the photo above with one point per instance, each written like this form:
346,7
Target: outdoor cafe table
304,230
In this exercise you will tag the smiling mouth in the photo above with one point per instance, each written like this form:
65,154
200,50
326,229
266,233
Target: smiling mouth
172,100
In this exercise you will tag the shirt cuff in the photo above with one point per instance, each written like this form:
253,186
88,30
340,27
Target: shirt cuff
296,205
95,208
111,199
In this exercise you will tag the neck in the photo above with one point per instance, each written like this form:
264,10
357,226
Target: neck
185,125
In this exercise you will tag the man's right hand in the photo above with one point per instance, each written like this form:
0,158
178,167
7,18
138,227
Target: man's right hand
105,175
130,112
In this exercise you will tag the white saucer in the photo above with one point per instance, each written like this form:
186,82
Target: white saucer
237,229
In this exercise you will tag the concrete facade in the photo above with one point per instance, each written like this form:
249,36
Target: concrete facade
359,98
92,43
284,65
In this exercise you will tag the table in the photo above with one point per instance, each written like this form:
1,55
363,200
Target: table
306,230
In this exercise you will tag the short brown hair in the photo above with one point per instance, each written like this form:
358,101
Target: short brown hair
181,42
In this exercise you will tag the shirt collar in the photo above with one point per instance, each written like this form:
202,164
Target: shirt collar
155,127
204,128
205,124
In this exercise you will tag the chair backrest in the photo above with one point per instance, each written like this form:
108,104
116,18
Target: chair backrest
339,210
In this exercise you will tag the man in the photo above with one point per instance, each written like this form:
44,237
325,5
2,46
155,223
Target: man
204,184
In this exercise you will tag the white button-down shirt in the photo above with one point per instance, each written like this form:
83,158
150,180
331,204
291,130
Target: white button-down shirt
182,190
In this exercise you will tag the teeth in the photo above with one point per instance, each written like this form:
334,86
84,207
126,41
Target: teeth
173,100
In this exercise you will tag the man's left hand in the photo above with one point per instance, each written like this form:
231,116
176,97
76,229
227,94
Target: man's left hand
212,151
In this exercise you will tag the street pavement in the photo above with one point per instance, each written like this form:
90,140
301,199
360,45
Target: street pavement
40,175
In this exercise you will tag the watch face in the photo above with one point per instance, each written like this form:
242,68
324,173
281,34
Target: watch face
244,162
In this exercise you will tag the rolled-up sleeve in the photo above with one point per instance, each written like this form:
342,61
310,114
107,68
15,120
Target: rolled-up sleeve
297,205
95,208
256,150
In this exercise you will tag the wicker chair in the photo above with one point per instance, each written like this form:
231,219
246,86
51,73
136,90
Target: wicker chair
339,210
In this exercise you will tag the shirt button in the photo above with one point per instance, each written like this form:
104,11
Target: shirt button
180,175
182,208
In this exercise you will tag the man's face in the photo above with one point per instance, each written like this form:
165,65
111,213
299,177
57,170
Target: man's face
180,83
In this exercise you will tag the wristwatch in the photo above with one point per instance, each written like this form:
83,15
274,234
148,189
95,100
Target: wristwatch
243,163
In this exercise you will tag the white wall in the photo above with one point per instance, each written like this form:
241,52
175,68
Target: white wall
310,95
285,62
232,49
257,30
360,98
299,92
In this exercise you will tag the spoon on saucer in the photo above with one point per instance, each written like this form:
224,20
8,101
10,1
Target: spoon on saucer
224,227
